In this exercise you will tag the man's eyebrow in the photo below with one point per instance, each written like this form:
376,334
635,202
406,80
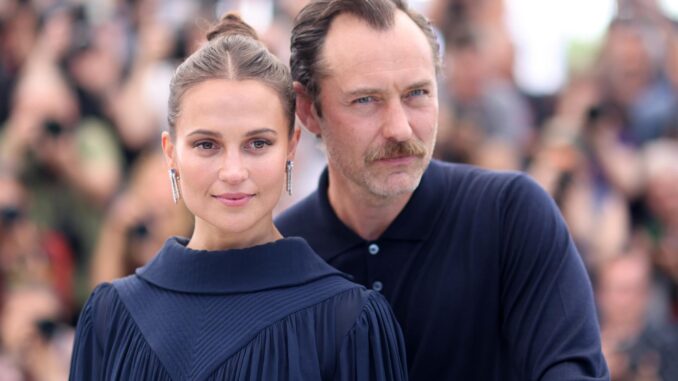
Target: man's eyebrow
424,83
362,91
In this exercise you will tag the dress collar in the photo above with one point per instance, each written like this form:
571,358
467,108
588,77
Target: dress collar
283,263
414,223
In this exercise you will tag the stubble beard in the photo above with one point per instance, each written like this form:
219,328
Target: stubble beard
382,183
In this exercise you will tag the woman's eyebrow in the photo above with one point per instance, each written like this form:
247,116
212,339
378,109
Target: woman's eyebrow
261,131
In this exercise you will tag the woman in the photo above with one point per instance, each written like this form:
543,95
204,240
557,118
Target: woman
236,301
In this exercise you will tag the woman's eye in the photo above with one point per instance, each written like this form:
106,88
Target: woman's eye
206,145
258,144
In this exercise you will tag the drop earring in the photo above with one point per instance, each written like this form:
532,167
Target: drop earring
288,169
174,182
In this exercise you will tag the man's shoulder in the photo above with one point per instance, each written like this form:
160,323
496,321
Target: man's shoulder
471,179
297,217
440,176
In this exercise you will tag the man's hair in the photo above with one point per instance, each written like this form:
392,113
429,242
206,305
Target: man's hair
314,21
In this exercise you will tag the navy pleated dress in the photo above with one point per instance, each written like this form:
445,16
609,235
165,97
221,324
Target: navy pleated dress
270,312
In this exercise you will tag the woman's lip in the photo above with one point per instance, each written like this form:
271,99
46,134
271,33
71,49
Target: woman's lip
234,199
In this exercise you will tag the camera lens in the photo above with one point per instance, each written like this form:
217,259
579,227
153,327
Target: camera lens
47,328
9,214
53,128
139,231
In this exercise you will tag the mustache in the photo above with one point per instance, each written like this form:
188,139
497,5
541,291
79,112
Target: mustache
393,149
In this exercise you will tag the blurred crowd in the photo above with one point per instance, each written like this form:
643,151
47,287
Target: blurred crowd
84,193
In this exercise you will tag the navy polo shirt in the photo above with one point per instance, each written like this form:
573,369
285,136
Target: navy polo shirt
481,273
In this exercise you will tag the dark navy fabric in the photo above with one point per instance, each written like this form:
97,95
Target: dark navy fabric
481,273
271,312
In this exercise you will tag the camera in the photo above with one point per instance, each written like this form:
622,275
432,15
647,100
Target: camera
46,328
9,214
52,128
139,231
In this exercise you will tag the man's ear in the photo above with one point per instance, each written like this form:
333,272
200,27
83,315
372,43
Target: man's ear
306,109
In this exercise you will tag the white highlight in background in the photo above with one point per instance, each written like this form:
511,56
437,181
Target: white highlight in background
542,30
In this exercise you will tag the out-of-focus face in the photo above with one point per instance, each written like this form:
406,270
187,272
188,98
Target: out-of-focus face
23,308
467,73
230,151
379,105
629,64
623,291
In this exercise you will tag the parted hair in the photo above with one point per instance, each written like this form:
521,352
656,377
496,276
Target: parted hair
314,21
233,51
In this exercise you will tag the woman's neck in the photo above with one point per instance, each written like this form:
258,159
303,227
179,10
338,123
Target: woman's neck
212,239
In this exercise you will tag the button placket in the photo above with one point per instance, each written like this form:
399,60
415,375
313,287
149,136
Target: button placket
373,249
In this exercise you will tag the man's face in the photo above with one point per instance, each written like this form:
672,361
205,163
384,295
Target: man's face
379,105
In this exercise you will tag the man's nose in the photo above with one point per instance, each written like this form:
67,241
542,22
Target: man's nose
397,124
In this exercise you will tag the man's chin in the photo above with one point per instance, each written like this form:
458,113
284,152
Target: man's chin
394,184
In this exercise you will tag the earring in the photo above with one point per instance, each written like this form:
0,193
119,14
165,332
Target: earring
176,195
288,168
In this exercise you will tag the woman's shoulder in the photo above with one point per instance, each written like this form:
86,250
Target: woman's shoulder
101,296
106,305
351,305
358,300
102,311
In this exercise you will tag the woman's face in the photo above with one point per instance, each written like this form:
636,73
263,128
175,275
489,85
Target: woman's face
230,152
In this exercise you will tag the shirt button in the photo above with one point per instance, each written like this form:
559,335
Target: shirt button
373,249
377,286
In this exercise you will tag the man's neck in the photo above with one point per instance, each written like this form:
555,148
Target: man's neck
366,214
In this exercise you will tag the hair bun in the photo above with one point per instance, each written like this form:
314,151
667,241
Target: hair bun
231,24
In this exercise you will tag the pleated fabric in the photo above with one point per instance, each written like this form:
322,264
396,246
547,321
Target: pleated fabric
306,322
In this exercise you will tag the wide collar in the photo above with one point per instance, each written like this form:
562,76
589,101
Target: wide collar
414,223
283,263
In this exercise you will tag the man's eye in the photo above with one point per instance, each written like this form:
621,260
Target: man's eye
363,100
417,93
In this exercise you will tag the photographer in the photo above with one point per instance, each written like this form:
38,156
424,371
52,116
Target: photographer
35,342
72,165
35,290
29,254
138,222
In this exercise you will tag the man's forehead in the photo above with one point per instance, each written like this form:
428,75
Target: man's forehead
353,46
358,82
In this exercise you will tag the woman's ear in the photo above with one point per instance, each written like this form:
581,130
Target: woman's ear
294,141
168,149
306,109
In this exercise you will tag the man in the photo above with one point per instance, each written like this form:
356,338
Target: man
478,266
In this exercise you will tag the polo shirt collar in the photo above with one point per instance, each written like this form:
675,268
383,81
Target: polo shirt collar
417,220
328,235
283,263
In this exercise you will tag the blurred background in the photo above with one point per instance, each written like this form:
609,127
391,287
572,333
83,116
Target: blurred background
580,94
